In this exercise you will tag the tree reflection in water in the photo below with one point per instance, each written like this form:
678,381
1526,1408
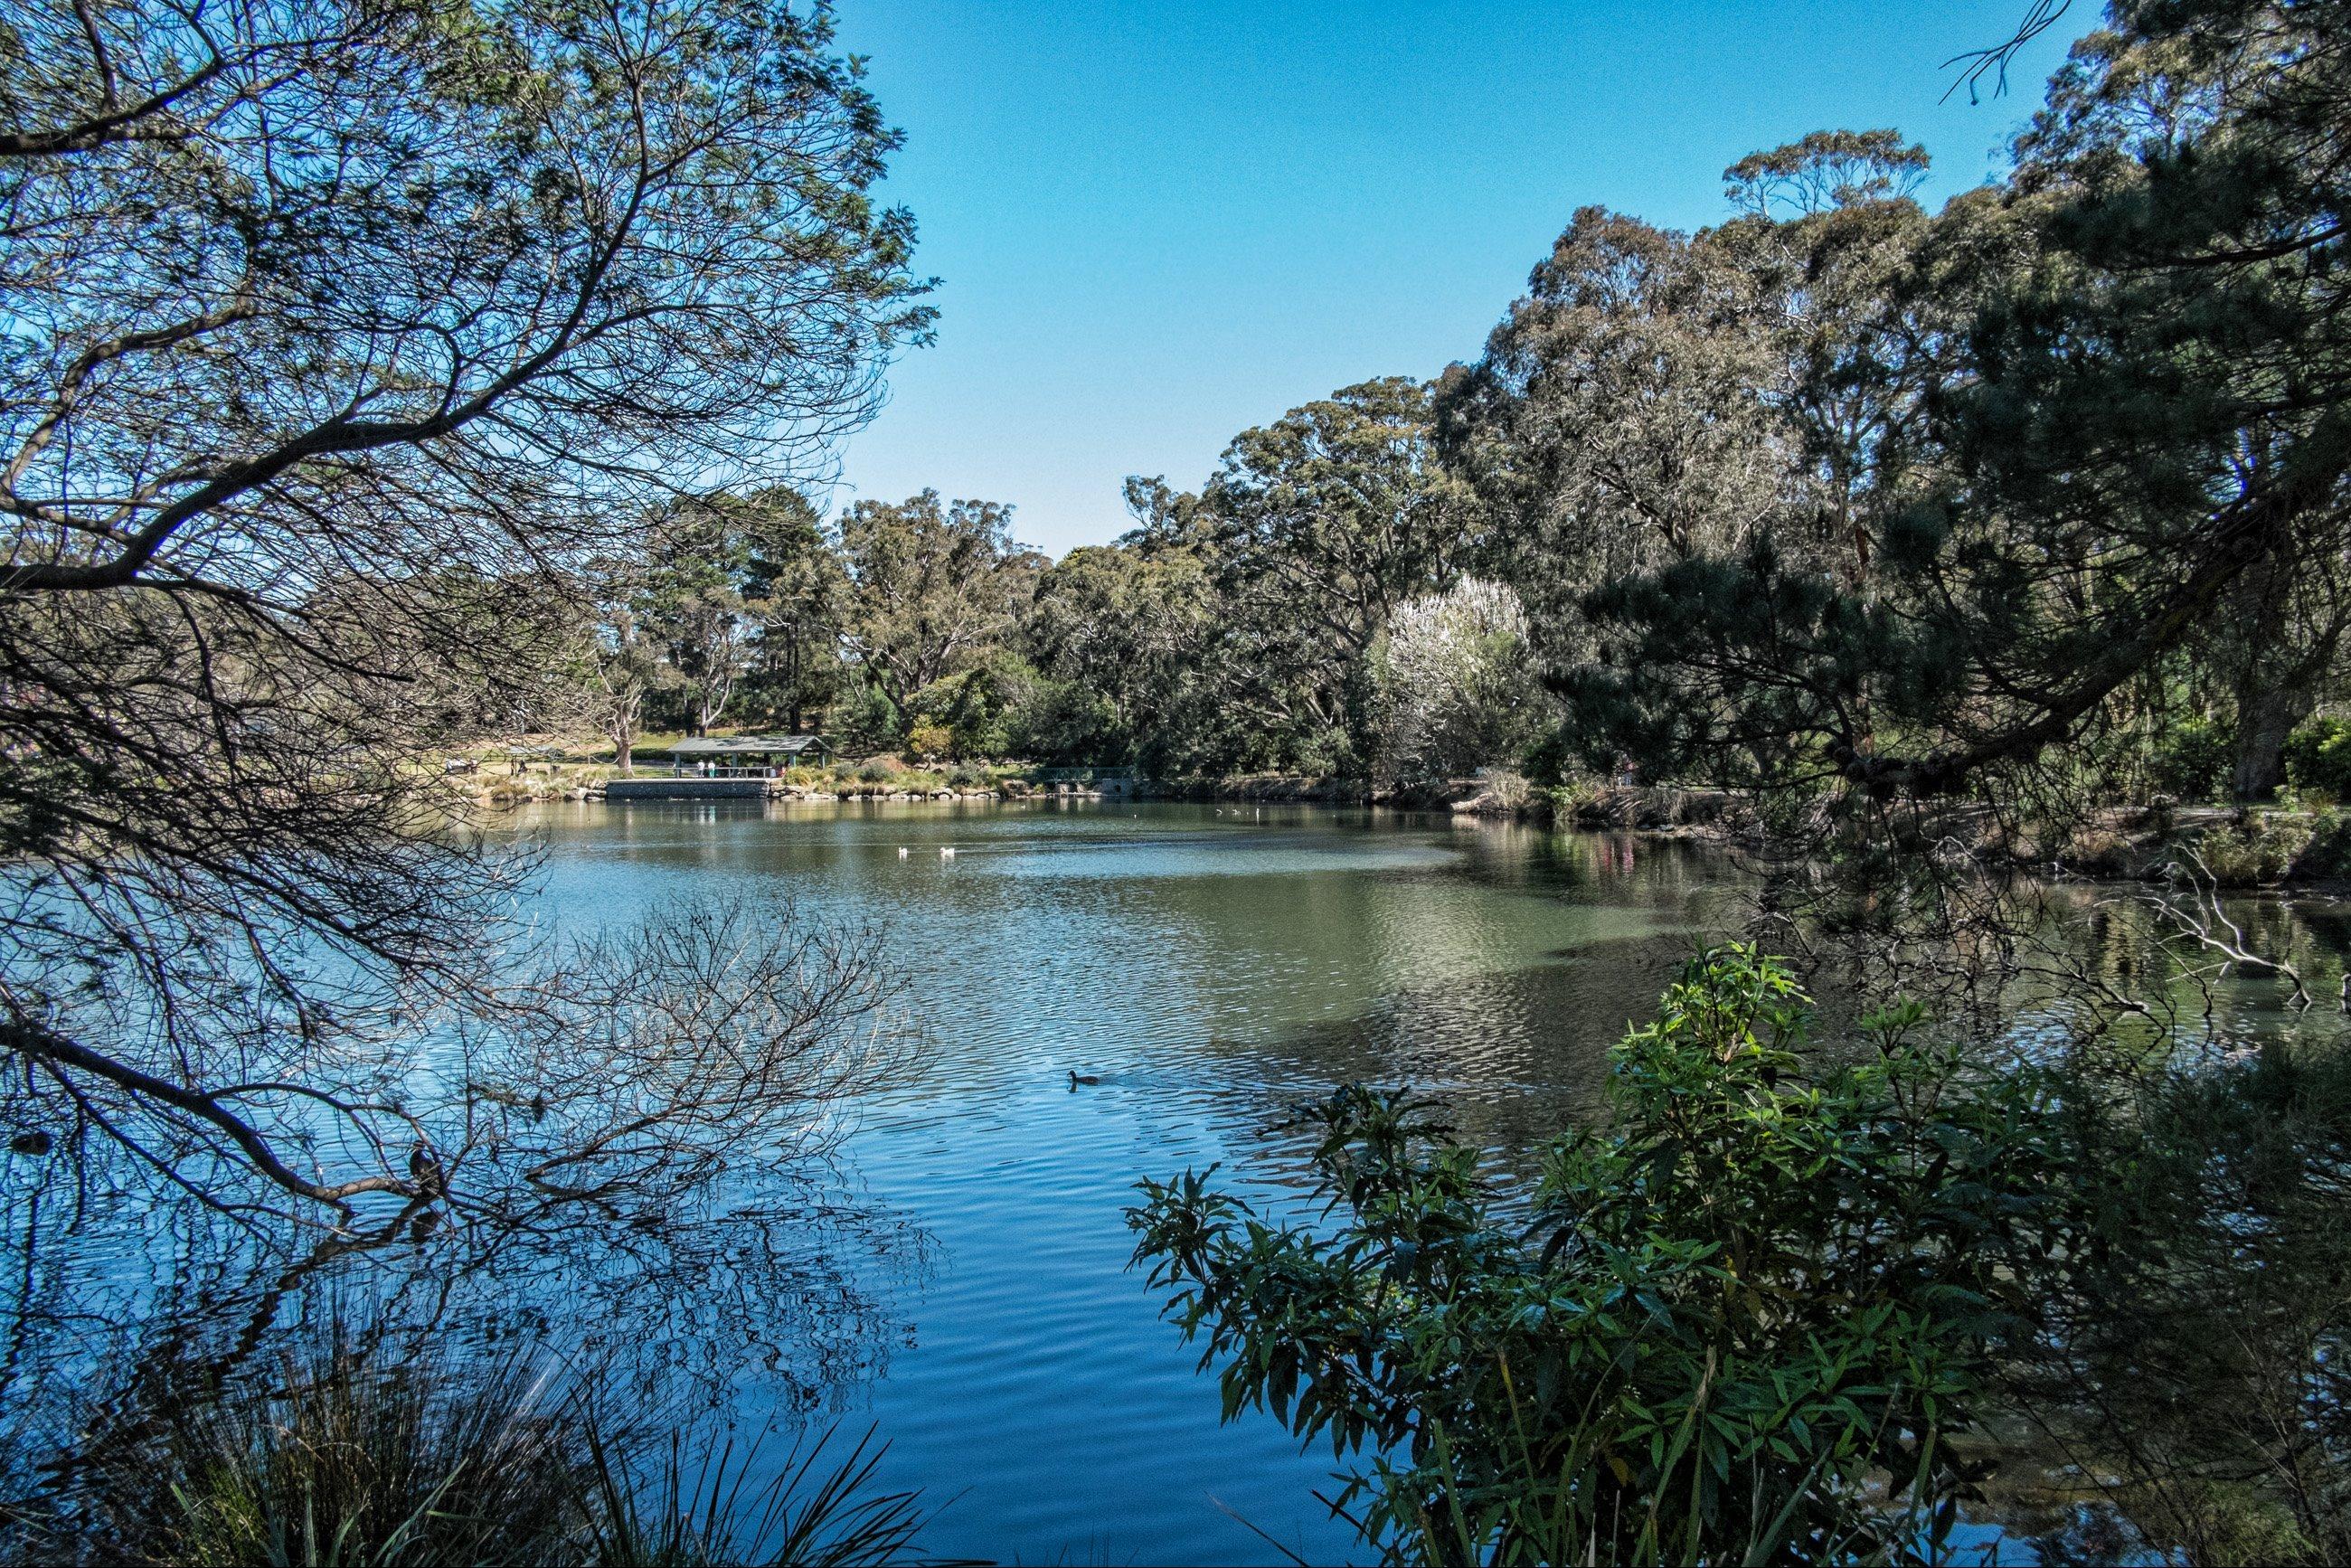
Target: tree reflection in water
768,1304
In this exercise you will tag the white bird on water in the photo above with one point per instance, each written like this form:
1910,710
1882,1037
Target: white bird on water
901,852
946,851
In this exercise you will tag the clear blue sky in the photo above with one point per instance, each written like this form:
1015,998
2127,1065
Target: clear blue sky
1158,223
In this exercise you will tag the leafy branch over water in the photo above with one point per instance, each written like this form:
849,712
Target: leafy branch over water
1767,1308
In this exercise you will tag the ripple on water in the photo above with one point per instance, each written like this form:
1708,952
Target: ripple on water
1213,972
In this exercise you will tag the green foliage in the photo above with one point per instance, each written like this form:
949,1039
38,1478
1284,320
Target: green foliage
1063,723
868,721
976,713
2254,853
1550,759
2319,759
2326,855
1842,493
933,586
352,1467
341,1462
1232,630
1754,1310
2191,759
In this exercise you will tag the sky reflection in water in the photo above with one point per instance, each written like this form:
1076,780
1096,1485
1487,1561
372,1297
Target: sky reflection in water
1213,967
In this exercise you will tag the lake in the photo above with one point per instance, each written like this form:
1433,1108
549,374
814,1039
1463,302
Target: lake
1213,965
956,1278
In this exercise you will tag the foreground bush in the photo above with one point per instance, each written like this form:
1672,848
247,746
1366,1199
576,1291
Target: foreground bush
1752,1314
436,1460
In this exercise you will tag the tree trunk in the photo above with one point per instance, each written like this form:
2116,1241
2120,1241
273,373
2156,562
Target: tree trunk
2279,664
2266,715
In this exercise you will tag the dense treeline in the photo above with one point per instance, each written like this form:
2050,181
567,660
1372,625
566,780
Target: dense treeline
2027,504
1251,625
1840,491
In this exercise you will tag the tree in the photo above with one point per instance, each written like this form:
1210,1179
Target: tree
1125,636
2172,390
1457,682
691,600
931,588
1322,522
621,666
1620,420
792,586
315,310
2136,447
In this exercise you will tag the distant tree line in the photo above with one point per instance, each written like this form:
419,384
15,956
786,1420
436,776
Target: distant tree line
1251,625
1840,492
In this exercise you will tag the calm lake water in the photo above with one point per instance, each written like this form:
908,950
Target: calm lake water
1213,967
957,1280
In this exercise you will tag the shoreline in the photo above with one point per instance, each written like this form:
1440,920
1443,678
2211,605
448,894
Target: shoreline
2247,849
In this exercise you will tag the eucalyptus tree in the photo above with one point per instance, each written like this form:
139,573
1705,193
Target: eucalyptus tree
1322,523
1338,509
1129,629
931,588
307,307
620,667
1621,419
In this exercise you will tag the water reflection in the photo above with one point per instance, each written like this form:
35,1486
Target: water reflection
778,1299
962,1281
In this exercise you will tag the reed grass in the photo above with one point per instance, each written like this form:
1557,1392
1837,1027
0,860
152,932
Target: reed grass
339,1462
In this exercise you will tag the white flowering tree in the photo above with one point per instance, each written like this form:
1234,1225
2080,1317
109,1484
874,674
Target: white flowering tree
1457,686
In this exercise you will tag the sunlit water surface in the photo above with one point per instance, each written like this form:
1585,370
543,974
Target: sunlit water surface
1212,967
959,1280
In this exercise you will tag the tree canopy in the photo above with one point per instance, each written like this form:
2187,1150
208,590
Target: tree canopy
338,336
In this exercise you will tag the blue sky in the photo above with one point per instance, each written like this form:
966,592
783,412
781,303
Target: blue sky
1157,225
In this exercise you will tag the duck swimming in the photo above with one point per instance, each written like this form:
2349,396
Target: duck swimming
425,1168
1078,1078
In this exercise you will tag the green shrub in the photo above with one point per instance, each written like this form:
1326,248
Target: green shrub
2326,855
2192,760
1550,760
438,1460
877,771
2253,855
1750,1314
1063,722
967,778
2319,759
